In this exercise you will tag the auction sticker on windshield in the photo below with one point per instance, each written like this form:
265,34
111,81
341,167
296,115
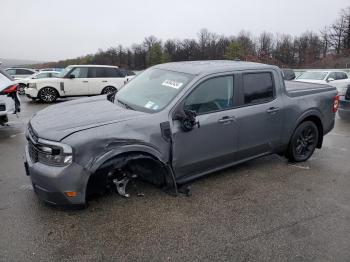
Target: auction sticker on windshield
172,83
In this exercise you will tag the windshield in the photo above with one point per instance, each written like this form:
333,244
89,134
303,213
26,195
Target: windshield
152,90
313,75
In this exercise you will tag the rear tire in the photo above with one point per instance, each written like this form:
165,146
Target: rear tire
48,95
109,90
303,142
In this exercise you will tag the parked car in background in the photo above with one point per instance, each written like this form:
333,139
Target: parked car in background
288,74
77,80
344,102
173,123
128,74
322,77
18,73
338,79
52,69
9,101
22,83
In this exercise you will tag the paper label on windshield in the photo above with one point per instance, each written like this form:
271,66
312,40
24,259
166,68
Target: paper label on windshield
172,83
149,104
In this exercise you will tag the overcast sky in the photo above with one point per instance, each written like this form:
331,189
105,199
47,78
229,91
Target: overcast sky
51,30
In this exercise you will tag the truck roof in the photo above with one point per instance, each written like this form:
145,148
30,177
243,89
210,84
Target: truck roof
211,66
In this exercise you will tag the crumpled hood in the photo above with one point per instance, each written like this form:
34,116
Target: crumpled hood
58,121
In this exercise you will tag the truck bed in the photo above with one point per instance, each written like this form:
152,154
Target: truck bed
295,89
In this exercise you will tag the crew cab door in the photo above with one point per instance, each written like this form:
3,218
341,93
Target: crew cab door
260,116
214,143
76,82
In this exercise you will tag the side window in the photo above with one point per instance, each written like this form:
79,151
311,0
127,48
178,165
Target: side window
332,75
105,72
215,94
23,72
112,72
43,75
80,72
11,71
100,72
342,75
258,88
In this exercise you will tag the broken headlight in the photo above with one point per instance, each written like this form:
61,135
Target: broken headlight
53,153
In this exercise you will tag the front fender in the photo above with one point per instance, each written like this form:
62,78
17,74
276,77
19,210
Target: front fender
114,152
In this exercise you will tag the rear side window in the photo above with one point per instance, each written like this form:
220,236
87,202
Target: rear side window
23,72
104,72
212,95
258,88
342,75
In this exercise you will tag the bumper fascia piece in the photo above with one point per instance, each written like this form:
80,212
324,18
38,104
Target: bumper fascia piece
50,182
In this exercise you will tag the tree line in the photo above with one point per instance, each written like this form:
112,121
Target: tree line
309,49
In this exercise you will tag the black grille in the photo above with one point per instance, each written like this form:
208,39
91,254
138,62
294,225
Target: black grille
32,134
33,152
2,107
347,95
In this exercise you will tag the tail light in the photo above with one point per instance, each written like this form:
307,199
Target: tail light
10,89
335,103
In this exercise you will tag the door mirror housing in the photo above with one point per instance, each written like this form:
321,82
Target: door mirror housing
187,119
71,76
330,79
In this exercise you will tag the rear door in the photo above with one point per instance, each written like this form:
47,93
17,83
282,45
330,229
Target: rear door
101,77
79,84
259,119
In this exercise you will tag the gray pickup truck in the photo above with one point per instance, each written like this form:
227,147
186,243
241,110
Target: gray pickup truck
171,124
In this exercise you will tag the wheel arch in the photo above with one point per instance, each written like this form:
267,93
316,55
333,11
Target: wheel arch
314,116
54,88
117,160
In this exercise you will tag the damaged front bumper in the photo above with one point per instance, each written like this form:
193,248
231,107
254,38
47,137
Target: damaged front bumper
51,183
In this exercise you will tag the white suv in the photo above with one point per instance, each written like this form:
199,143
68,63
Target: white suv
77,80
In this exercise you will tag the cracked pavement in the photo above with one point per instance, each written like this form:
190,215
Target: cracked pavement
262,210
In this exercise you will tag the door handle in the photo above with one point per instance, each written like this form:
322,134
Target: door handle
272,110
227,119
85,81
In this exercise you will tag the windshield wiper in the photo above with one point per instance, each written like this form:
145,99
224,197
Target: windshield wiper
125,105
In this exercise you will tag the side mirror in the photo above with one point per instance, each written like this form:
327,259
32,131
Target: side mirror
330,79
71,76
187,119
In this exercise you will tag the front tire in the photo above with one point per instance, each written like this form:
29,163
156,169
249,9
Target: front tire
303,142
48,95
